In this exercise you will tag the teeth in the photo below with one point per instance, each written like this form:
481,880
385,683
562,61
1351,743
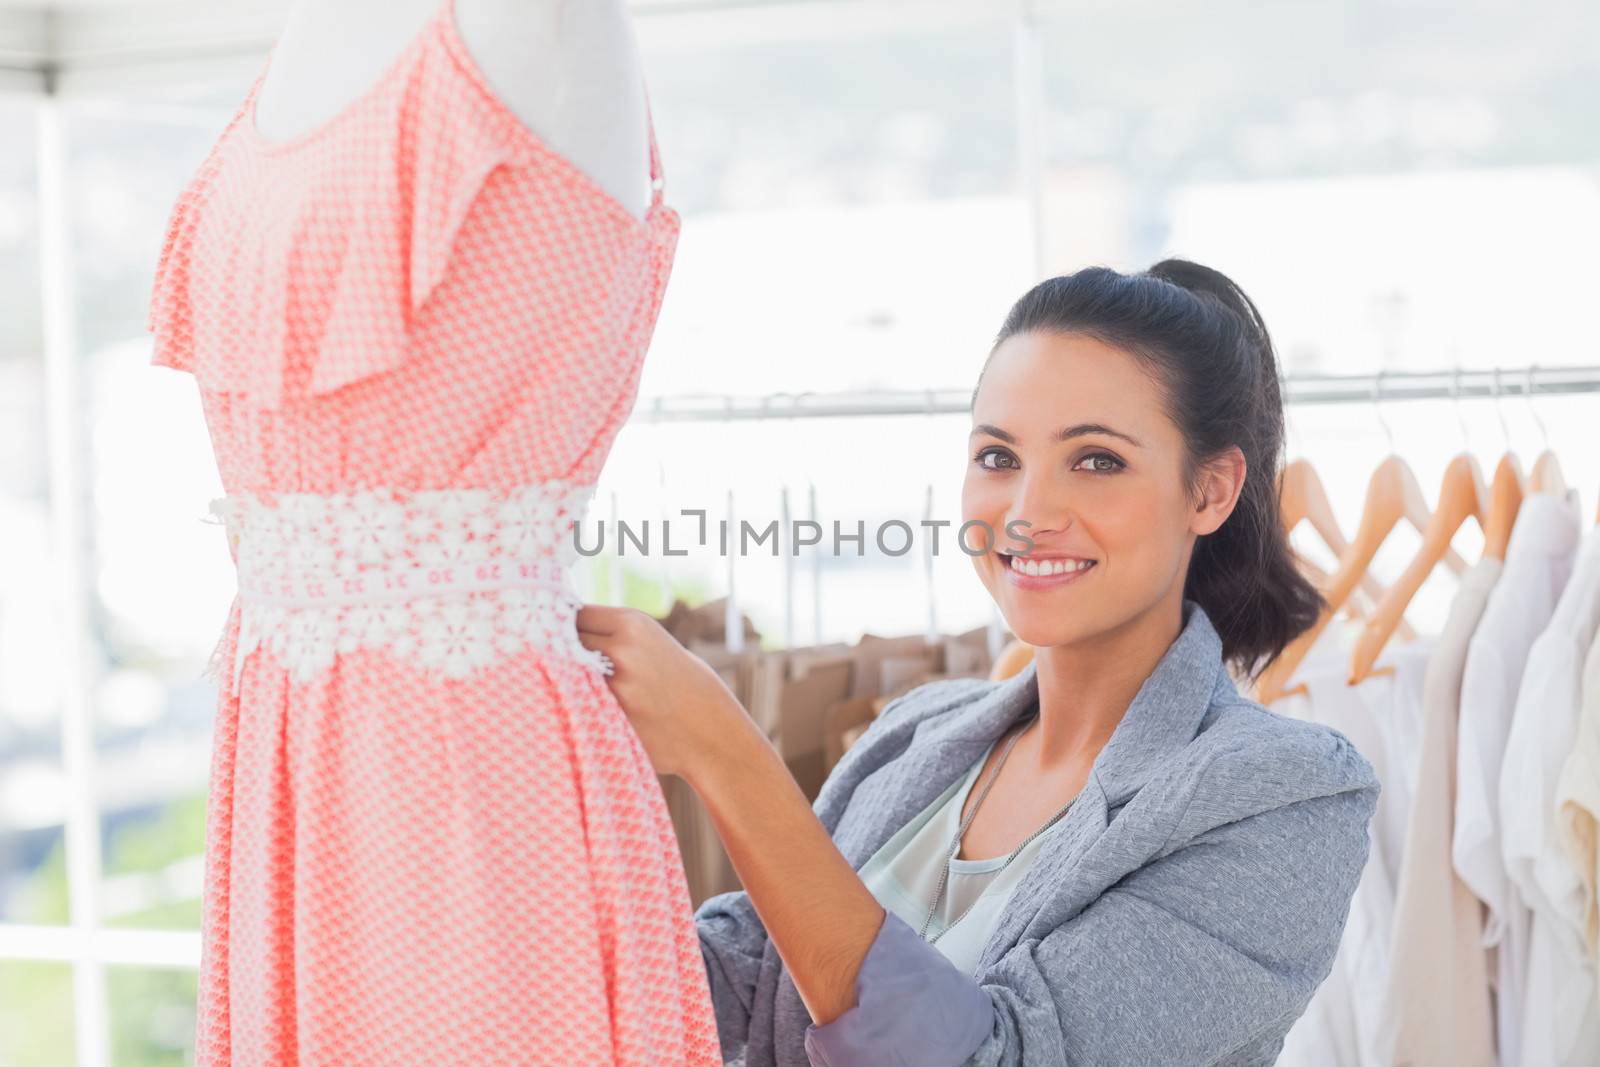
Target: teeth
1048,567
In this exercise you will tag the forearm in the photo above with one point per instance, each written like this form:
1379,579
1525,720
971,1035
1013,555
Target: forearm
819,915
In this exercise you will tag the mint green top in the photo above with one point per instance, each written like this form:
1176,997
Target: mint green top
904,874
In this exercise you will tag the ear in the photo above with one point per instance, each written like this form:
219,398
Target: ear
1221,482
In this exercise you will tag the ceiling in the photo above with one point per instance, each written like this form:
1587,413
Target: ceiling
100,48
79,47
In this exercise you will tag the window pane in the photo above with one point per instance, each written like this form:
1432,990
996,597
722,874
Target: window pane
162,577
36,1014
849,188
1376,176
32,797
152,1016
20,336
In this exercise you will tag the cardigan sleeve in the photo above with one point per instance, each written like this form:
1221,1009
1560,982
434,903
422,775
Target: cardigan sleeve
912,1006
732,943
1213,947
733,940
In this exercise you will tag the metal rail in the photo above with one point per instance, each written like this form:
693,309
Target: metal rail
1383,386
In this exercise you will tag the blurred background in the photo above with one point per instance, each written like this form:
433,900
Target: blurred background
1404,187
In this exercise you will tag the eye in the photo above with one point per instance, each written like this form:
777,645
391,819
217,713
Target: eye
1111,465
1000,453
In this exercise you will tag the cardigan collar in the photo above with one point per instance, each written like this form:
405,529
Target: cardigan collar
1164,716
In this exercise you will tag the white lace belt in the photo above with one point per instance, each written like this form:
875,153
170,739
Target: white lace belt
449,580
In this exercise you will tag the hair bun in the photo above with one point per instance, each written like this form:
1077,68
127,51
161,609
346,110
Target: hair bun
1202,280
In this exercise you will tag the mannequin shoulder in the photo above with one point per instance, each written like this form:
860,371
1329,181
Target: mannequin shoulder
528,49
570,71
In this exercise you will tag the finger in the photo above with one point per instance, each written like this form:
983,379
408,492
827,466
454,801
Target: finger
600,619
598,642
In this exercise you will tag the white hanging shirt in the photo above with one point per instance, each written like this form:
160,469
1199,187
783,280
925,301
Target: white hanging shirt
1539,559
1578,802
1346,1023
1560,1021
1327,1033
1438,1008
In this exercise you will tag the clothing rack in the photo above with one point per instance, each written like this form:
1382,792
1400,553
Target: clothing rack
1494,383
1459,384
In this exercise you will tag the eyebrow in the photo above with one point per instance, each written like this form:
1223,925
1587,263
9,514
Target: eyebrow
1062,435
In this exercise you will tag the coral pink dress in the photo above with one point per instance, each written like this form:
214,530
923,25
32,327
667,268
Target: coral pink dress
432,835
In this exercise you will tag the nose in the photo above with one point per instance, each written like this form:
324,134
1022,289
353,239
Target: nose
1041,501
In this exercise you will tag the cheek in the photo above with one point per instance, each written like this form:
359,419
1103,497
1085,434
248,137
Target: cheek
979,498
1132,515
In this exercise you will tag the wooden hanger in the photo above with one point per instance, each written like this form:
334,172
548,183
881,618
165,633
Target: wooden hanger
1359,606
1392,495
1461,493
1355,608
1462,496
1302,498
1505,498
1505,492
1546,476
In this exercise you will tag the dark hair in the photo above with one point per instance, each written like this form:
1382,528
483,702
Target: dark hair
1210,353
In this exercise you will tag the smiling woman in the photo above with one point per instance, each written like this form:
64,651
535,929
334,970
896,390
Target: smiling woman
1165,390
1111,856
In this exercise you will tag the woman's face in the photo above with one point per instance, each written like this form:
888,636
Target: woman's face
1069,435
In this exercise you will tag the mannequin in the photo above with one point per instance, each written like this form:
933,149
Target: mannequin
419,271
569,69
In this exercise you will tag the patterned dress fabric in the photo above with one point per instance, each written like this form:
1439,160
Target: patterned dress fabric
432,835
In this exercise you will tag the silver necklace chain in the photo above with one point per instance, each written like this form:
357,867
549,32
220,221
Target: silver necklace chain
955,845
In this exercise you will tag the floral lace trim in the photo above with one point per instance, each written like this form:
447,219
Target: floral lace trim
450,580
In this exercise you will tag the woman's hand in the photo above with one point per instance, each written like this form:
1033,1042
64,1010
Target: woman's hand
692,726
680,708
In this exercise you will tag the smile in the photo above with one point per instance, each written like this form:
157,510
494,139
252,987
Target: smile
1042,573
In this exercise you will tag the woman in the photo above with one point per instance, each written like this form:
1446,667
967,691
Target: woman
1189,855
